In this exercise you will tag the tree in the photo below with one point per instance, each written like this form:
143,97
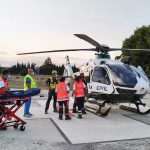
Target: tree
48,61
33,66
1,70
45,69
75,69
139,40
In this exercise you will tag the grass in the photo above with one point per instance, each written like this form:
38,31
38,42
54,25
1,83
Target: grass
16,81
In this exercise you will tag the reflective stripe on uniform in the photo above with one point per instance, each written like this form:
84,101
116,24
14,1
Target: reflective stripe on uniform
80,112
52,83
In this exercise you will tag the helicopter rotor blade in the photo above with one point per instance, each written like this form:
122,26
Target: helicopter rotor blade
127,49
53,51
88,39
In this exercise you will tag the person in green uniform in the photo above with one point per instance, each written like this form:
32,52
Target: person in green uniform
51,83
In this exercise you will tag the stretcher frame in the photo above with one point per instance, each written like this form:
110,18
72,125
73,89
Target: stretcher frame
9,117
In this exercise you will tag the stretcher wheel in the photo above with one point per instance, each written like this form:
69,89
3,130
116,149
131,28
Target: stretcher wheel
3,128
22,128
16,126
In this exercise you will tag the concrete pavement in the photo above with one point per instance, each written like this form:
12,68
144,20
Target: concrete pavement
116,131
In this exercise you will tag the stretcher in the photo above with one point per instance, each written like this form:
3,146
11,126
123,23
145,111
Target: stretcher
10,103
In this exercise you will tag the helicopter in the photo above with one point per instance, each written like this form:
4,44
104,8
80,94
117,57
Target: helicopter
109,81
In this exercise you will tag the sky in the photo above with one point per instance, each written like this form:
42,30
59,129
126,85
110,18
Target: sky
41,25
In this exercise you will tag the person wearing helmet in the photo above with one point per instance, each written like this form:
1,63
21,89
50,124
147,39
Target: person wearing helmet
51,83
54,72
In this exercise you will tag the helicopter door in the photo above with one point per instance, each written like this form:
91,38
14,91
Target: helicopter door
100,81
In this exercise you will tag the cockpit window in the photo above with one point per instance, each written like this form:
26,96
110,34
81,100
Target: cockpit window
123,75
100,75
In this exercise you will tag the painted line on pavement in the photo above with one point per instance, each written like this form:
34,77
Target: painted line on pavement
113,141
60,131
136,119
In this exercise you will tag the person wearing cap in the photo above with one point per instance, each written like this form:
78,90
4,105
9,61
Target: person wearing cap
51,83
3,87
29,83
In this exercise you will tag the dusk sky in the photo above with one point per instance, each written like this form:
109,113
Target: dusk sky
36,25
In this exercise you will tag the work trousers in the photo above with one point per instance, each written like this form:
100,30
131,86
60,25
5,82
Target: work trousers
80,104
27,107
75,105
63,104
50,95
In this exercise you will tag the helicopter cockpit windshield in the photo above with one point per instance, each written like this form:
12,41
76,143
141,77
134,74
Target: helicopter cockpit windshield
100,75
123,75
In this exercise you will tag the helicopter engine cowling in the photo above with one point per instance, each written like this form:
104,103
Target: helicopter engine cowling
126,59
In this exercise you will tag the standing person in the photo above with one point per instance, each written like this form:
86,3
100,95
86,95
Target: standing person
29,83
3,87
62,90
78,90
85,83
3,82
74,109
75,103
51,83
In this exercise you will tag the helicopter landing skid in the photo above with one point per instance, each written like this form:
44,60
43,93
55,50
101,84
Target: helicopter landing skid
137,109
98,111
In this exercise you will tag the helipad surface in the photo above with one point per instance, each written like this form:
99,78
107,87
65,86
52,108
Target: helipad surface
90,129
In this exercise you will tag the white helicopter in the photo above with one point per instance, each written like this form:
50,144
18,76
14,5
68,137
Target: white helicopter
110,81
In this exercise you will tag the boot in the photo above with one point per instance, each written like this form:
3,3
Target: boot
55,110
74,111
68,118
46,112
60,118
79,116
83,112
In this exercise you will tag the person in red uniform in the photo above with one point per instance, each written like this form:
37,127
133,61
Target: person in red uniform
79,93
3,82
85,83
62,90
75,103
4,86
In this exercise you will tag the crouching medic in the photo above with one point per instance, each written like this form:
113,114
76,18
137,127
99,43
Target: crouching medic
62,91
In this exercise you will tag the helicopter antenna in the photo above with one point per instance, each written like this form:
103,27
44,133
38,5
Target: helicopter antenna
67,60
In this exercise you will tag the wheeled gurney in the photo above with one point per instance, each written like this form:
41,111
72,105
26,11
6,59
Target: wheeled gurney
10,103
